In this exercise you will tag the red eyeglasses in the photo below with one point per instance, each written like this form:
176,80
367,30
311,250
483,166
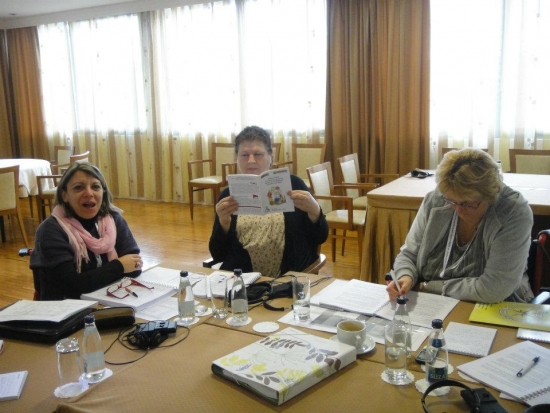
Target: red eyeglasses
125,285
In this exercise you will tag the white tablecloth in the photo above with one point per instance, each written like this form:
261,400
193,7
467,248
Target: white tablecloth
28,171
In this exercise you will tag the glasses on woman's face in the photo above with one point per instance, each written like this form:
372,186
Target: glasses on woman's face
463,205
122,289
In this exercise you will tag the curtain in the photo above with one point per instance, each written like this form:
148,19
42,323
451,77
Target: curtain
6,141
23,114
147,93
378,83
490,84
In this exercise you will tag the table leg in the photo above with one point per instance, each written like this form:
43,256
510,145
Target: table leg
2,230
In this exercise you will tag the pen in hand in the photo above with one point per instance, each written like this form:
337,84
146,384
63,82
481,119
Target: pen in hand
524,370
395,281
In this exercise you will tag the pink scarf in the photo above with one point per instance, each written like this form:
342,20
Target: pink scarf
80,239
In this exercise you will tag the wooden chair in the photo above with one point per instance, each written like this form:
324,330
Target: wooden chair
9,198
349,166
221,163
345,219
62,157
538,267
304,155
80,157
47,187
530,161
276,152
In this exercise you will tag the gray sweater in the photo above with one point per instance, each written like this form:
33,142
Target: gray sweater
493,269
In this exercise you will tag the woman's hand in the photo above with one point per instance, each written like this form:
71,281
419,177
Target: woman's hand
131,262
405,284
306,202
225,208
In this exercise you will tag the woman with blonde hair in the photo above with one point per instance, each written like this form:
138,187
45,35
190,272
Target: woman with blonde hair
470,239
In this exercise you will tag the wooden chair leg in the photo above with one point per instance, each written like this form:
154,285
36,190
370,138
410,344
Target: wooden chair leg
22,227
343,242
333,245
30,206
360,235
191,200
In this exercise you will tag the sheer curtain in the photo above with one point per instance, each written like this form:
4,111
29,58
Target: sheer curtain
147,93
489,76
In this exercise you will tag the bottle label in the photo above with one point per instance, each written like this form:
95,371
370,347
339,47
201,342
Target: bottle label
437,371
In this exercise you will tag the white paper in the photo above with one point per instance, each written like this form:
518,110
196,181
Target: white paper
55,311
262,194
161,310
11,385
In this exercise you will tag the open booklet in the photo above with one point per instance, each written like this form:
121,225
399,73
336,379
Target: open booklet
168,277
372,299
262,194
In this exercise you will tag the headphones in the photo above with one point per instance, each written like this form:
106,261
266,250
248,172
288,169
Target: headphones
147,335
470,395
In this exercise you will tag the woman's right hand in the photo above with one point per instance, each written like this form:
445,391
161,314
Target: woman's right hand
405,284
225,208
131,262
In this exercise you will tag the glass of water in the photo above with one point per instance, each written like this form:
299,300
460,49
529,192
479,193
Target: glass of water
301,295
396,353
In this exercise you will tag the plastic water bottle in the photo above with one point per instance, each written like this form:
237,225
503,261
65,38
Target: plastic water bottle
92,351
239,299
401,315
500,172
437,362
186,301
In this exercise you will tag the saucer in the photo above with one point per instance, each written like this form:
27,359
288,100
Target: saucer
368,345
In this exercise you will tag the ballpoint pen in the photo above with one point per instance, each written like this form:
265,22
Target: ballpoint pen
395,281
131,292
524,370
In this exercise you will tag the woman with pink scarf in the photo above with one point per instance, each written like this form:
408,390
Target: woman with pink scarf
85,244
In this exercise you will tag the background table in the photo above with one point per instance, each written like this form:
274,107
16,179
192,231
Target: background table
29,169
391,209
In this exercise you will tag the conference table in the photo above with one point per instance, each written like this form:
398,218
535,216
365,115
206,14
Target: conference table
391,210
179,378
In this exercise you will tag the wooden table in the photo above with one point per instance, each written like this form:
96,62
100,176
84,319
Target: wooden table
179,378
29,169
391,209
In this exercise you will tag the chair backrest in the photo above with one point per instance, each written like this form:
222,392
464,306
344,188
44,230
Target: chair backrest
63,154
276,152
305,155
9,187
530,161
349,165
81,157
320,178
221,153
538,264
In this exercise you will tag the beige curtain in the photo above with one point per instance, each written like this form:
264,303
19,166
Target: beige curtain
23,52
378,83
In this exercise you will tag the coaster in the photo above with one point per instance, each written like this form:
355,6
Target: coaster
266,327
195,321
77,388
231,321
408,380
205,313
422,385
108,373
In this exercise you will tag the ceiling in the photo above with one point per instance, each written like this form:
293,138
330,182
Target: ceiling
26,8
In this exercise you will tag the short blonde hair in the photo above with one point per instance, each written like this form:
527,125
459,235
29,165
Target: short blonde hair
469,173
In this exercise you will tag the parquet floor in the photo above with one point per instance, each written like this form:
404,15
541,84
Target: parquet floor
164,232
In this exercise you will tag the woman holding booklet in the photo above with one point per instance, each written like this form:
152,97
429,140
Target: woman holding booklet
85,244
271,244
470,239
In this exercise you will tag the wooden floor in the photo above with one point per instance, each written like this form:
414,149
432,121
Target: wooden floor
164,231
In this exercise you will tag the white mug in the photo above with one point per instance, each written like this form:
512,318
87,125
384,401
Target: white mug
352,332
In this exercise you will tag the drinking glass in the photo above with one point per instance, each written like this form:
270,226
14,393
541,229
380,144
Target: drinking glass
301,295
69,367
396,353
217,285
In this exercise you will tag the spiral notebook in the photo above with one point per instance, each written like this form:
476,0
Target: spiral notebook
499,370
469,339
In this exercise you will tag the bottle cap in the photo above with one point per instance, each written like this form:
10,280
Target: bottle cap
401,299
437,323
184,273
89,319
237,271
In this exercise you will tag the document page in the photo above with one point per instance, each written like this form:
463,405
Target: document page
56,311
262,194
